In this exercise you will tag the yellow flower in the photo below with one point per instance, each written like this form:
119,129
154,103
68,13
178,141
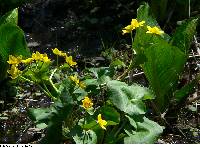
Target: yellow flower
87,103
75,79
14,72
14,60
137,24
40,57
27,61
45,58
70,61
154,30
127,29
37,56
58,52
101,122
82,85
134,24
63,54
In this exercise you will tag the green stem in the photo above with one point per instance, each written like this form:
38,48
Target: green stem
41,66
27,79
46,91
51,82
84,130
120,128
132,40
57,60
131,65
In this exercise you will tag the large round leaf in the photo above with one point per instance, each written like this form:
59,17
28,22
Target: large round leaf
128,98
147,131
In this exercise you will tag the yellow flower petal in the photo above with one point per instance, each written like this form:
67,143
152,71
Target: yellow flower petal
82,85
45,58
154,30
70,61
57,52
75,79
141,23
40,57
137,24
14,60
127,29
37,56
87,103
14,72
134,24
27,61
63,54
101,122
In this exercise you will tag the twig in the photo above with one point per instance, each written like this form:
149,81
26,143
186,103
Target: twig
137,74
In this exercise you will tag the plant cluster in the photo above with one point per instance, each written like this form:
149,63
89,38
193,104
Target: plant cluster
161,57
72,96
95,105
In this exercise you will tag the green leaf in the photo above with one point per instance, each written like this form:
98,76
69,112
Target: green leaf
12,43
184,34
80,94
143,14
128,98
38,72
83,136
40,114
142,39
52,118
41,126
66,89
181,94
92,85
10,17
139,58
102,71
89,123
92,82
146,132
56,118
109,114
101,74
162,69
132,121
117,63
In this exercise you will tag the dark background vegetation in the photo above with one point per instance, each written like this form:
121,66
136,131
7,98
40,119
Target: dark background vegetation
84,24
